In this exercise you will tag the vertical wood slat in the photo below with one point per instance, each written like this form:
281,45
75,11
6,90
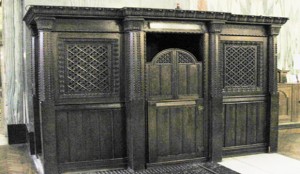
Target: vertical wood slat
175,131
182,79
76,136
152,133
229,125
245,124
119,134
193,79
188,130
199,134
106,143
163,125
251,123
154,80
166,80
240,130
91,134
261,123
62,137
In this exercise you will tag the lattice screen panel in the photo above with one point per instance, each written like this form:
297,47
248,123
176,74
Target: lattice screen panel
88,67
242,66
165,58
184,57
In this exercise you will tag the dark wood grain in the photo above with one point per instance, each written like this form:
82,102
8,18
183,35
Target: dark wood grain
116,91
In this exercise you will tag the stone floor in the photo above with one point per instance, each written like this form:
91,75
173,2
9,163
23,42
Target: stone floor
16,160
289,143
265,163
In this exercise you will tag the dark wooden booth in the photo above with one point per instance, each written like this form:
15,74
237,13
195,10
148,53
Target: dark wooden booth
136,87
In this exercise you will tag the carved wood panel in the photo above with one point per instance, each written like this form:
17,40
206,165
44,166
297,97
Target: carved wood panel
245,124
173,74
243,66
175,131
88,67
175,113
90,134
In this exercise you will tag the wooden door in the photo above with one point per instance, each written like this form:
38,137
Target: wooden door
175,106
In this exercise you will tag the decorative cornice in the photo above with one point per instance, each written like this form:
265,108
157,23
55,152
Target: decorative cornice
147,13
274,30
134,24
257,19
216,26
44,23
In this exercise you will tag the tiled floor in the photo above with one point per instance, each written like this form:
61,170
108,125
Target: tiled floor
16,160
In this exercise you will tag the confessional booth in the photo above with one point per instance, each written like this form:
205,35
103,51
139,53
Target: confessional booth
139,87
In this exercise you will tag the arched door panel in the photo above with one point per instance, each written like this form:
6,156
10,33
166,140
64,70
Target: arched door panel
175,107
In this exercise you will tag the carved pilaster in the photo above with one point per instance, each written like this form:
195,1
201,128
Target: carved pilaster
44,71
273,31
215,86
135,91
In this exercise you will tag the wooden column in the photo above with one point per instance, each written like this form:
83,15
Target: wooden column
135,91
46,93
215,91
273,90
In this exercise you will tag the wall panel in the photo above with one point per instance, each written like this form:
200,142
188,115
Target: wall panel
245,124
87,135
175,132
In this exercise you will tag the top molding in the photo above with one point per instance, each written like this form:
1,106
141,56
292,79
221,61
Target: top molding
147,13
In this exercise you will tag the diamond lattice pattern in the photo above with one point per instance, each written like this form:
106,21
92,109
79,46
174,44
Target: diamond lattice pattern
88,68
165,58
184,58
240,66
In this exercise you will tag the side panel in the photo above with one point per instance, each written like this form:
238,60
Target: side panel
90,135
90,112
245,127
245,103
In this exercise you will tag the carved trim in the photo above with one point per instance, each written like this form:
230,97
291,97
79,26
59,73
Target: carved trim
215,66
56,11
134,24
273,85
41,68
216,26
274,30
159,59
135,65
257,19
241,30
45,23
49,88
